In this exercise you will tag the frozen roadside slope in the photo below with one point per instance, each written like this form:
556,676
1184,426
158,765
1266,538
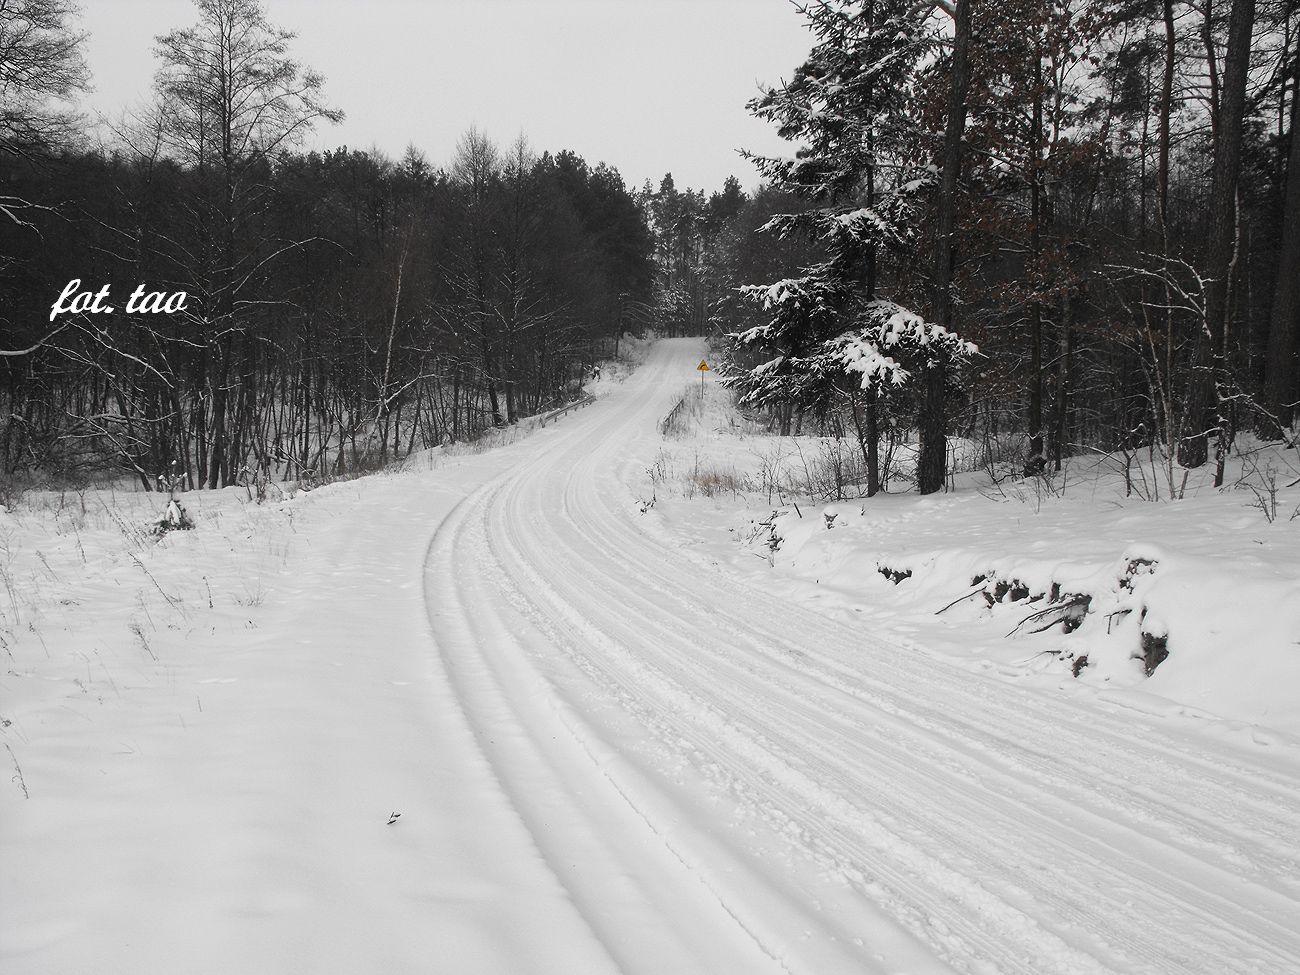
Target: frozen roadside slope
724,781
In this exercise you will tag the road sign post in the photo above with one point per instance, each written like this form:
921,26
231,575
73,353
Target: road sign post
703,367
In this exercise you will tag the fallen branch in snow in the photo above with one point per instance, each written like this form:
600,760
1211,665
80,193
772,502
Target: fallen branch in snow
1069,612
1041,653
973,592
22,784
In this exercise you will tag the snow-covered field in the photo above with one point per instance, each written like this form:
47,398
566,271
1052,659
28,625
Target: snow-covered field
558,706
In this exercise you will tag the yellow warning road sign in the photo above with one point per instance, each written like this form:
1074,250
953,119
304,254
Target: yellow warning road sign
703,366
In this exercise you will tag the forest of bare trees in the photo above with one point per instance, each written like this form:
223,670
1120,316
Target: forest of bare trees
343,308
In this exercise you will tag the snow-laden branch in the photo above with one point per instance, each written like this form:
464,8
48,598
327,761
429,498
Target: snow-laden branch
10,353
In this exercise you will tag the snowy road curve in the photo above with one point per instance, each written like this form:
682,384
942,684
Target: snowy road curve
712,778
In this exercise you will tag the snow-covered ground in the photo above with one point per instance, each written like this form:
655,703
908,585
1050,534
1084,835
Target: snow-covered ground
500,713
987,573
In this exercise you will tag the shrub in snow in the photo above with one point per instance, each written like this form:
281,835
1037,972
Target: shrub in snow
174,518
256,483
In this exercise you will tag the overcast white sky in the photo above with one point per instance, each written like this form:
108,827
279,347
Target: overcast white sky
649,86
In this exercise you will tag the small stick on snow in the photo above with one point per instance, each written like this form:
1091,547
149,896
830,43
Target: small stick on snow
960,599
22,783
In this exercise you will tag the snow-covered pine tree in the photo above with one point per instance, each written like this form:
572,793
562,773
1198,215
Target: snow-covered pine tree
862,161
801,315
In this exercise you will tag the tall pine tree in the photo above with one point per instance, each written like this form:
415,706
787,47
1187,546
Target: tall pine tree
843,328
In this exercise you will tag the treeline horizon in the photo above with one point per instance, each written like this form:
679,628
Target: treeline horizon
372,307
344,308
1095,193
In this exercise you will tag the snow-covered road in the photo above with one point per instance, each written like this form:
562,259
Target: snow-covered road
721,780
608,754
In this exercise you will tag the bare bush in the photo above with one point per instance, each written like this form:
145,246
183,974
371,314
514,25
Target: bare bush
835,472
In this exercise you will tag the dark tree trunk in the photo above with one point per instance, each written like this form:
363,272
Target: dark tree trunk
1166,108
1060,433
1284,322
220,395
1036,462
932,461
873,444
867,427
1221,238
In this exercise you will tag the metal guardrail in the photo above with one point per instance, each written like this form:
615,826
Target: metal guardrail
585,400
667,422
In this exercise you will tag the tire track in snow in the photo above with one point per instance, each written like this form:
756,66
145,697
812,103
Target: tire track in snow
651,633
637,896
1180,803
786,723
